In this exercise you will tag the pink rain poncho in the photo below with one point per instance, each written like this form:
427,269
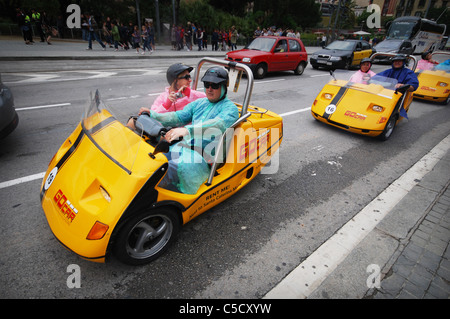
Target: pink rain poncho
361,77
162,103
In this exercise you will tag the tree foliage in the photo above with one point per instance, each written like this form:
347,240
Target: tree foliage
246,15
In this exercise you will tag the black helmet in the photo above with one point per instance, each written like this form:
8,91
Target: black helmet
424,55
366,60
398,57
174,70
216,75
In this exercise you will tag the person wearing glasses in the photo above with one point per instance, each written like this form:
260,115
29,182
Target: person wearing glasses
198,126
178,94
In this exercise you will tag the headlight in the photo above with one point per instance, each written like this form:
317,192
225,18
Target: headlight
314,56
442,84
377,108
328,96
335,58
246,60
226,57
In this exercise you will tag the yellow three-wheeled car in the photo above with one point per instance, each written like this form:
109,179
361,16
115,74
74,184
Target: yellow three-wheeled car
371,109
101,191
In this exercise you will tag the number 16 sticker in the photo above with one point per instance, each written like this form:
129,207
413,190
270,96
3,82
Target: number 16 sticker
330,109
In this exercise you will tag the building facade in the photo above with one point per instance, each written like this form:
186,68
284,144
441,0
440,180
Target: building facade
389,8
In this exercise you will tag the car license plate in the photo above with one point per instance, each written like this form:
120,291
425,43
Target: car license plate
322,61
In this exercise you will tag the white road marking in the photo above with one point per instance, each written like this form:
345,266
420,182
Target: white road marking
41,106
41,175
304,279
22,180
295,112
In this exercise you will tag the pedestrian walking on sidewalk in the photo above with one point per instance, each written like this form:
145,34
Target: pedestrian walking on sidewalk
145,40
93,32
115,35
24,22
136,38
37,19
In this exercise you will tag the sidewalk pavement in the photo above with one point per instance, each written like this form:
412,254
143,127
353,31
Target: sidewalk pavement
410,243
14,49
395,248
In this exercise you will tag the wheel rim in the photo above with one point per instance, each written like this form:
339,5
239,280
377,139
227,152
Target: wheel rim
390,127
149,236
300,69
260,71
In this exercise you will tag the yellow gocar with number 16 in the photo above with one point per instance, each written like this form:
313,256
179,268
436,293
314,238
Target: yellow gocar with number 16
371,109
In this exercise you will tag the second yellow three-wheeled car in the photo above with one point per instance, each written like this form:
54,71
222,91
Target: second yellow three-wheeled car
371,109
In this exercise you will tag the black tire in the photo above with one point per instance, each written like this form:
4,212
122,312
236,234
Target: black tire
389,128
260,71
146,236
348,63
447,100
299,69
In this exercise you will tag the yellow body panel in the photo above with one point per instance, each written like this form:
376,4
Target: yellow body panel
433,86
353,106
83,185
359,55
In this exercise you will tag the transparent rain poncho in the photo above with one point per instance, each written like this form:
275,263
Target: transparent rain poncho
188,159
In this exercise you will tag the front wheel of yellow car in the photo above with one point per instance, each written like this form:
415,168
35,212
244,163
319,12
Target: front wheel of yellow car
146,236
447,100
389,128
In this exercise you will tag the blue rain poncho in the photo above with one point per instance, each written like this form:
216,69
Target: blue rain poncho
444,66
205,122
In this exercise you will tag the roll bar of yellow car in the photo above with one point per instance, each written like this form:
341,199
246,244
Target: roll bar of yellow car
230,65
244,111
440,53
408,57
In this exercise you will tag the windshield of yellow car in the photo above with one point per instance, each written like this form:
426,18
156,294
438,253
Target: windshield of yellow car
370,84
118,143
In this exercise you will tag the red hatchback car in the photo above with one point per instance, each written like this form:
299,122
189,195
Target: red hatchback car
269,54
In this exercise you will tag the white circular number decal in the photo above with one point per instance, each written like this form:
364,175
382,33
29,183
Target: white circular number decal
330,109
50,178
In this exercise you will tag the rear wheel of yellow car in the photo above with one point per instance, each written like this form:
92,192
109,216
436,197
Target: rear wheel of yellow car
389,128
146,236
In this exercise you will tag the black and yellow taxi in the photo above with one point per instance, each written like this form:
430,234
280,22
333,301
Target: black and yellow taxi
341,54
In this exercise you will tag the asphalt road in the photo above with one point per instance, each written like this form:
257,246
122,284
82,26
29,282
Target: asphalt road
239,249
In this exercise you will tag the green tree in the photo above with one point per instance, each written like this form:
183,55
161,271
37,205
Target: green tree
347,18
288,13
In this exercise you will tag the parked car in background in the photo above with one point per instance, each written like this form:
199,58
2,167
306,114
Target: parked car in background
392,46
8,116
270,54
341,54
